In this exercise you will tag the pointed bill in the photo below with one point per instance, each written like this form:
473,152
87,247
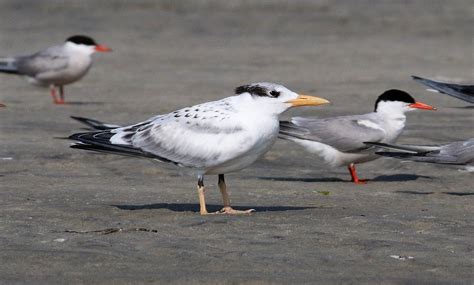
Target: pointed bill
306,100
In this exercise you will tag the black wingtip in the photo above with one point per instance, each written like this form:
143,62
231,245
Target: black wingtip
375,144
94,124
397,154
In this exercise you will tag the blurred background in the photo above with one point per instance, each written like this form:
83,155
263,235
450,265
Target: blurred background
170,54
192,51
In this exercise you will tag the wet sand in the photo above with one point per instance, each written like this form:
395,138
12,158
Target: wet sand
70,216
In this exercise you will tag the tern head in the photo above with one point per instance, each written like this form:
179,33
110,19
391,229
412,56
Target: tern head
398,101
276,98
87,44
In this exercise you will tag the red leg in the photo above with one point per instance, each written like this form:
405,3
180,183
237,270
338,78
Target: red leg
355,178
55,98
61,94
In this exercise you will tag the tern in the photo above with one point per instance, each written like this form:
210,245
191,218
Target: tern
340,140
55,66
455,153
212,138
463,92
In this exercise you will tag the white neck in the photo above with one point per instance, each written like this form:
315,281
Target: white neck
392,114
261,107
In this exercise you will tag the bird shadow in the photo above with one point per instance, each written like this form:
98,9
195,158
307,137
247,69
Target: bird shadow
188,207
414,192
429,193
399,177
459,193
84,103
381,178
302,179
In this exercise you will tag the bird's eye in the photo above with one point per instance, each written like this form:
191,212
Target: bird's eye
275,93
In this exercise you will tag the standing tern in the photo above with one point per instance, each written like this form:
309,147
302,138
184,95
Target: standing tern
211,138
455,153
463,92
340,140
55,66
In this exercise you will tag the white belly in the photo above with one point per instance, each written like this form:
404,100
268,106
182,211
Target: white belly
334,157
262,139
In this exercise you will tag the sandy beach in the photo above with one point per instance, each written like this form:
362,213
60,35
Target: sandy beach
75,217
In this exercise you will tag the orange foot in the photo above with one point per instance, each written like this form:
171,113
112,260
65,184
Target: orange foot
360,181
230,211
354,176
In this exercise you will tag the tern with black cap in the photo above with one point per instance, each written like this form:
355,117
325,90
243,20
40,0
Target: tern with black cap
55,66
340,140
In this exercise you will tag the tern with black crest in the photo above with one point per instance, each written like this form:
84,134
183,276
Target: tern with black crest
340,140
55,66
212,138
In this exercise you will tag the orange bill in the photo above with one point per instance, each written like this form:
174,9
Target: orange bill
306,100
423,106
102,48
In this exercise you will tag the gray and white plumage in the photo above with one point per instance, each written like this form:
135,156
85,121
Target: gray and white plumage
463,92
211,138
340,140
455,153
55,66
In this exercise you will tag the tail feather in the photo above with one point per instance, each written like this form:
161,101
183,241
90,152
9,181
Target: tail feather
8,65
427,157
405,148
95,124
100,141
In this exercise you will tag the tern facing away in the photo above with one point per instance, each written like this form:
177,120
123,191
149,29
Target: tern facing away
55,66
455,153
211,138
463,92
340,140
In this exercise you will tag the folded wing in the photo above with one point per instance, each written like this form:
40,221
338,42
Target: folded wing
346,134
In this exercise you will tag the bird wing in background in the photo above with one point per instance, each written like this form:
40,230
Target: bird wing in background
463,92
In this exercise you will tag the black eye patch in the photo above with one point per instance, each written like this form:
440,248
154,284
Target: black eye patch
257,90
252,89
275,93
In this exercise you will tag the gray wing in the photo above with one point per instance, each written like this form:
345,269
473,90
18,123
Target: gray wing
45,62
346,134
463,92
457,153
